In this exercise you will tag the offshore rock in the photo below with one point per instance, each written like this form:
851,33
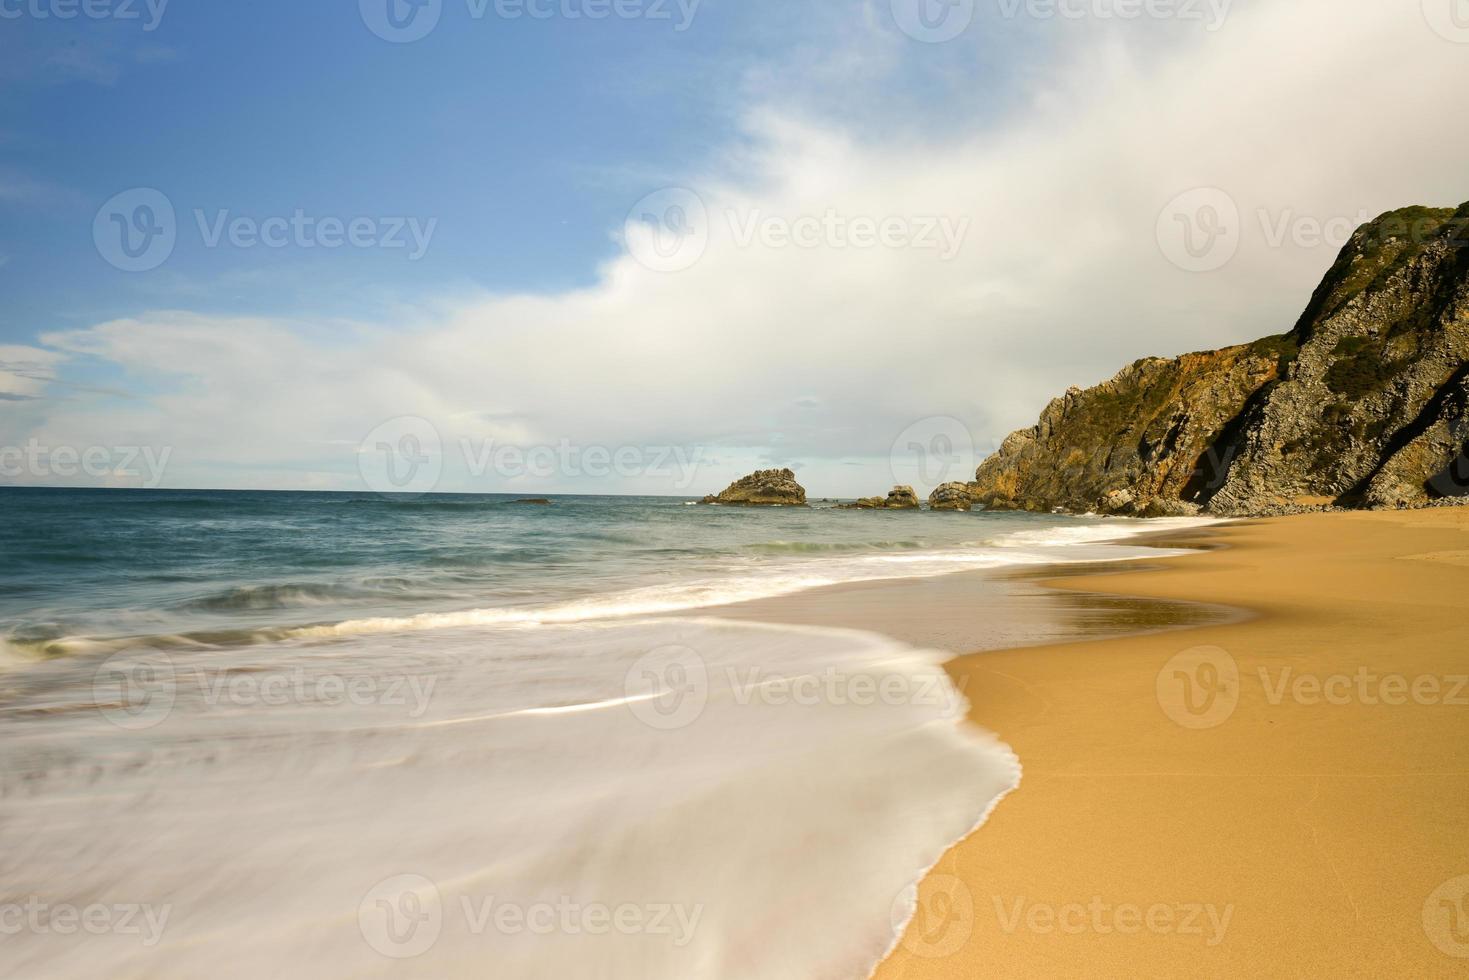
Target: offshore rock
763,488
898,498
950,496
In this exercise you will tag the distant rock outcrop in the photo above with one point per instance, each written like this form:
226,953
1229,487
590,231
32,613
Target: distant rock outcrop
1364,403
951,496
764,488
898,498
902,498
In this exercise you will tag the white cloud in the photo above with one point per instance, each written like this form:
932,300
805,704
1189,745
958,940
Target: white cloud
24,371
824,356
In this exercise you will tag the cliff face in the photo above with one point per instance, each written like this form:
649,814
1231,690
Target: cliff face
1365,403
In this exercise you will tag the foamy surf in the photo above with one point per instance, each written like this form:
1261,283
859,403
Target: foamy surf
340,565
667,775
1052,545
1103,530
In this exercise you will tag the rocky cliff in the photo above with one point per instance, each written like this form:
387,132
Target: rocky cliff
1364,403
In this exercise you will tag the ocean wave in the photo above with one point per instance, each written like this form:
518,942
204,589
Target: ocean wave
288,595
580,795
15,654
1041,547
35,641
490,557
792,567
71,645
429,505
1114,529
389,583
819,547
620,605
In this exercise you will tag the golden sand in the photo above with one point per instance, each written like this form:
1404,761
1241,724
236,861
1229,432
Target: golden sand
1286,796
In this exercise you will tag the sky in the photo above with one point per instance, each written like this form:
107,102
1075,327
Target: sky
646,246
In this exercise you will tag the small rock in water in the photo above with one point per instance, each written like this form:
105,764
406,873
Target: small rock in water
764,488
898,498
950,496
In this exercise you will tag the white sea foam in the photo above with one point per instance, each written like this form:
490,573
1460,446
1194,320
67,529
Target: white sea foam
541,777
1049,545
1113,529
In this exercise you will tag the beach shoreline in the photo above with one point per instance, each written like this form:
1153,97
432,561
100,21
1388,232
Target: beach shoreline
1185,806
1306,819
1157,836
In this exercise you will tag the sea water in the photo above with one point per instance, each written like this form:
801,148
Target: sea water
247,734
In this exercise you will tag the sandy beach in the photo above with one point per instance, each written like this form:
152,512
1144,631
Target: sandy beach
1280,792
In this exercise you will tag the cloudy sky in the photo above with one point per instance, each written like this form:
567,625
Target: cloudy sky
648,245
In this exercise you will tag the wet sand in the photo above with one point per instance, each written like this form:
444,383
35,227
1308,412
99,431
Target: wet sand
994,609
1283,791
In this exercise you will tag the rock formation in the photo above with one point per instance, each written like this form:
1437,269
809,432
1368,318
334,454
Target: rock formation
766,488
950,496
902,498
898,498
1364,403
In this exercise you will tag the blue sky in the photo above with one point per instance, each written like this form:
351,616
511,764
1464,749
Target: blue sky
512,133
1048,147
526,139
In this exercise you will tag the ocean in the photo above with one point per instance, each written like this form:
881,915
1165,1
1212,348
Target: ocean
307,734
